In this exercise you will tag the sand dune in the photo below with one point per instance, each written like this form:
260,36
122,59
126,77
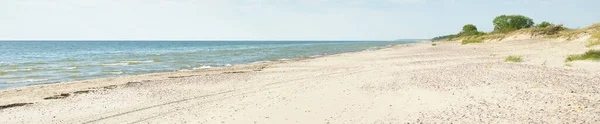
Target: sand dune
410,83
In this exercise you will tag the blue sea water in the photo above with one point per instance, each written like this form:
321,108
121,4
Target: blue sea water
24,63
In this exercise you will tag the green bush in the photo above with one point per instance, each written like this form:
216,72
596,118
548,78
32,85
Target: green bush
549,30
508,23
513,59
476,39
469,28
544,24
593,55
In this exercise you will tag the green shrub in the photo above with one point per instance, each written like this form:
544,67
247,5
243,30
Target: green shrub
433,44
549,30
543,24
508,23
469,29
476,39
593,55
513,59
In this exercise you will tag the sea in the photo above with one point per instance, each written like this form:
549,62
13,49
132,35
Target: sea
24,63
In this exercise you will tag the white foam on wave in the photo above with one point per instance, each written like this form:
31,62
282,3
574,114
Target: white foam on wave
25,81
115,73
313,56
116,64
261,61
18,70
70,68
122,63
203,67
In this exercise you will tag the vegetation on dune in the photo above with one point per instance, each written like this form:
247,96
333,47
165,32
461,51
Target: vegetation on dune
570,34
445,37
593,55
513,59
594,39
474,39
468,30
508,23
544,31
543,24
493,36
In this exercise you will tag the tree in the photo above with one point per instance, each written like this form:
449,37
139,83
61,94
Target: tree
507,23
469,28
544,24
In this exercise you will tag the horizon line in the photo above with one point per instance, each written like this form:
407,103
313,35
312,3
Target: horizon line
208,40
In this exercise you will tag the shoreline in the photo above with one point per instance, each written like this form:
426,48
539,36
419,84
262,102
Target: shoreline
210,67
405,83
130,78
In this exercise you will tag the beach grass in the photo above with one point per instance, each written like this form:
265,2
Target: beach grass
475,39
570,34
593,55
495,36
568,64
594,39
513,59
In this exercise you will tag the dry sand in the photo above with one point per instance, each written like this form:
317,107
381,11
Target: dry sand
448,83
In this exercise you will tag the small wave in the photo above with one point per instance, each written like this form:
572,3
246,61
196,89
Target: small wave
36,69
131,62
27,76
70,68
8,65
134,63
203,67
154,54
74,76
115,64
261,61
227,65
68,60
21,70
283,59
25,81
316,56
35,63
115,73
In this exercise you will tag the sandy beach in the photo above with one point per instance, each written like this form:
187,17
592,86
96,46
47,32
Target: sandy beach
409,83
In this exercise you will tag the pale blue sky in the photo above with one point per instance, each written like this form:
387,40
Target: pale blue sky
271,19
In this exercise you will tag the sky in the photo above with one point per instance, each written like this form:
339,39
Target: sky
272,19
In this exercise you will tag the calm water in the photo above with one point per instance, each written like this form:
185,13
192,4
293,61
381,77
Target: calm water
30,63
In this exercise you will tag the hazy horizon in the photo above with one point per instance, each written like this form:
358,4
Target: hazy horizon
273,20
